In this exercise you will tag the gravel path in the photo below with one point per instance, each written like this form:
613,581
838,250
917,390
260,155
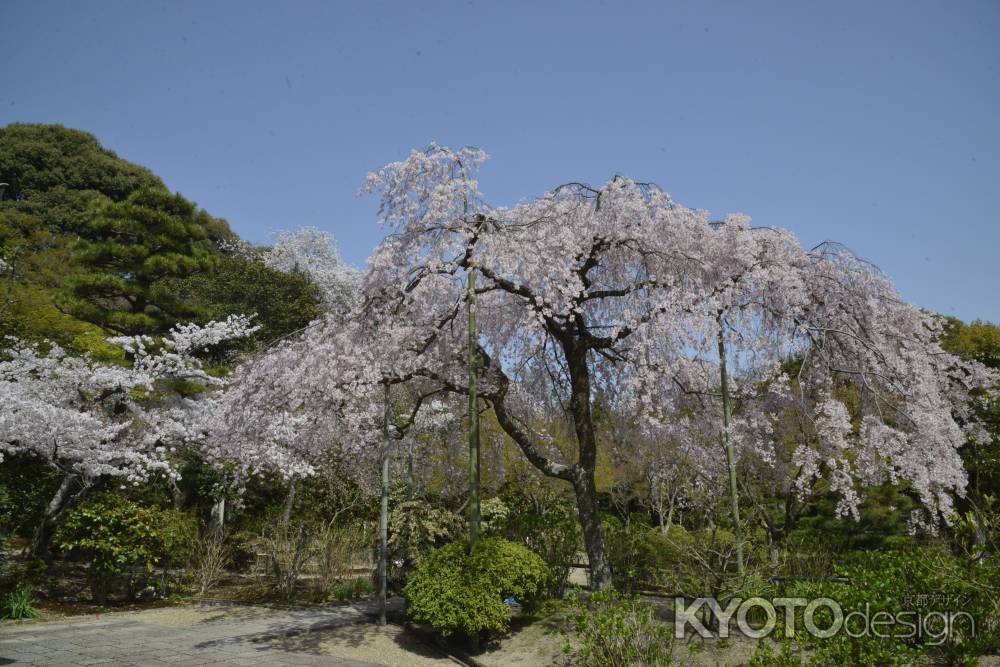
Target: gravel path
213,634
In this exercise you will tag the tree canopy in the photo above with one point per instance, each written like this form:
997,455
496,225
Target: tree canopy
127,249
92,243
56,173
618,296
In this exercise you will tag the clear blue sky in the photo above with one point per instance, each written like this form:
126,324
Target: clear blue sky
874,124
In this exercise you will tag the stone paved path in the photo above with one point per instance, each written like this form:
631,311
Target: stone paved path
202,634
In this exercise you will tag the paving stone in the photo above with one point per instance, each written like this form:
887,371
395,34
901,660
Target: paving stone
235,635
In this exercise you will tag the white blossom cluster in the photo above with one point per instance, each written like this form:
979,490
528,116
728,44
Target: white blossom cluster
95,418
314,253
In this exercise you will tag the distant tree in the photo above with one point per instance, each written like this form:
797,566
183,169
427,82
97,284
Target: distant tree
37,261
313,252
128,249
240,283
56,173
980,341
64,186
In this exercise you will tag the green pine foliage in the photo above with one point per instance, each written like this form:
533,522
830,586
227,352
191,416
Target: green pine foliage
127,249
96,245
913,588
53,170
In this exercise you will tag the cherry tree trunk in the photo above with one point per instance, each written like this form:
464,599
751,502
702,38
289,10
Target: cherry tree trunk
581,475
217,517
593,536
62,501
668,522
584,484
178,495
286,510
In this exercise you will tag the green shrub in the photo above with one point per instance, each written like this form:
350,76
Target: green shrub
454,591
918,581
764,655
494,514
416,528
509,568
619,631
553,533
643,558
351,589
117,536
18,604
693,564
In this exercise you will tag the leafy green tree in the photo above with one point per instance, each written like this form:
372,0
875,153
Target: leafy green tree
138,243
37,261
283,302
980,520
62,185
979,340
56,173
128,249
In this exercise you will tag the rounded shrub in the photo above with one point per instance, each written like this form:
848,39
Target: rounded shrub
458,592
116,536
643,557
510,568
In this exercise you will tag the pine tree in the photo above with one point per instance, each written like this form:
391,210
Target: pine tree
127,250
